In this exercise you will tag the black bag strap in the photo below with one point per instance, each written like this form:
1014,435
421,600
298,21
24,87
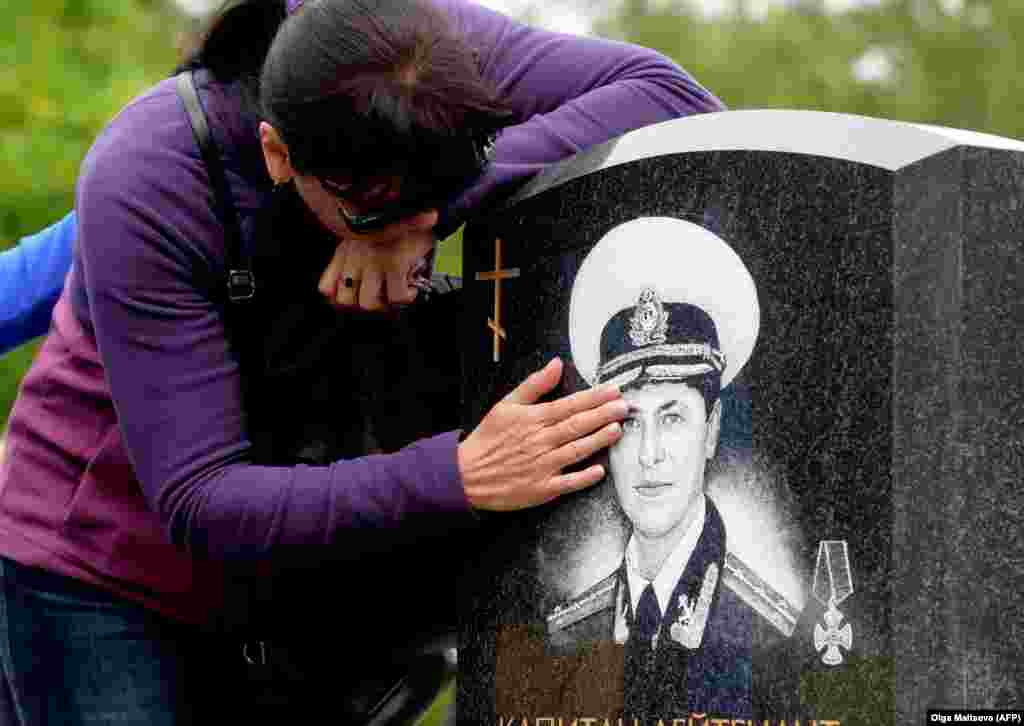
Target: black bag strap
241,283
412,693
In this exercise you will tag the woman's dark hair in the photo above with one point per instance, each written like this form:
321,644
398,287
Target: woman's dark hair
364,90
235,42
360,90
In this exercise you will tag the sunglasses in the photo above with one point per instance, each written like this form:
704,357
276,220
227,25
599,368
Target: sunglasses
361,223
403,209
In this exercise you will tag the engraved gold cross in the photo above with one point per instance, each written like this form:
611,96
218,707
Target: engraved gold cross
497,275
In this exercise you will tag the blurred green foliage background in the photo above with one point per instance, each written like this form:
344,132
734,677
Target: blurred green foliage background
948,62
66,67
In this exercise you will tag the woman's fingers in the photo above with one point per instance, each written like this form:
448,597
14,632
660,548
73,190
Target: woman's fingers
537,384
398,288
371,290
569,406
411,263
368,274
328,285
575,480
514,458
587,421
347,295
575,451
339,284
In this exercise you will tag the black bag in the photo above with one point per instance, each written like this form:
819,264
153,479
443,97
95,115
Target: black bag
318,387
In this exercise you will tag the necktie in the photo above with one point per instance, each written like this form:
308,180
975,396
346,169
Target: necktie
640,656
648,617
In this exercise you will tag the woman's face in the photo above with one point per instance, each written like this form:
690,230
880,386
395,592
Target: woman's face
324,201
325,198
405,251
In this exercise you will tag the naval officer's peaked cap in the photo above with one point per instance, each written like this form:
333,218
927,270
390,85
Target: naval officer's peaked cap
661,299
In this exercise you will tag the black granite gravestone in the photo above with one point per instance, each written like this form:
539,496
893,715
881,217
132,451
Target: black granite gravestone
860,559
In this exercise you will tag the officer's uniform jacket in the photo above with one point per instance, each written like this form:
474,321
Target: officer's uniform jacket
689,669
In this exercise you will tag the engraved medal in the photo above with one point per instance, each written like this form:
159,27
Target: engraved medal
832,584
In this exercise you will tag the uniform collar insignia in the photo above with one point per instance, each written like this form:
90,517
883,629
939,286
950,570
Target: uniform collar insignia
688,629
685,610
649,323
622,614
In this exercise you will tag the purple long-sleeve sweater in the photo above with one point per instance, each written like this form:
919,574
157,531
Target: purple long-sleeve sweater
127,463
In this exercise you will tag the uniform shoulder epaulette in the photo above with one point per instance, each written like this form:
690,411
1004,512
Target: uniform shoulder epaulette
759,595
594,599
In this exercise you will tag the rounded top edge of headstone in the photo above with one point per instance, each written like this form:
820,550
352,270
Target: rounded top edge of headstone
884,143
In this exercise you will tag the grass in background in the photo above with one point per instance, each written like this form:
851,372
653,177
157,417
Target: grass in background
438,712
449,254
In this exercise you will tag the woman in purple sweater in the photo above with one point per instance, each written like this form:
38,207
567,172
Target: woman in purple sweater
132,500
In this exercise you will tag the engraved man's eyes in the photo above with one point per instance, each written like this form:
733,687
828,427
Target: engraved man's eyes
666,419
671,418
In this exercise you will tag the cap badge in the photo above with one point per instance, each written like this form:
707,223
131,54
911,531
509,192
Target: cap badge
649,322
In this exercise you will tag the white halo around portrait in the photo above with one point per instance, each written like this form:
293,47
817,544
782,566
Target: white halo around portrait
683,262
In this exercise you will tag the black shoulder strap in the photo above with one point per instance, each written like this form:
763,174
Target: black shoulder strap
241,283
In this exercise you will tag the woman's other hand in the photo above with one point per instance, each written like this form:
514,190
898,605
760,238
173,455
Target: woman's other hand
515,457
378,270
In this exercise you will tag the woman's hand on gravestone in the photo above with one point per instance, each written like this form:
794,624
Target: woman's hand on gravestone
515,457
381,265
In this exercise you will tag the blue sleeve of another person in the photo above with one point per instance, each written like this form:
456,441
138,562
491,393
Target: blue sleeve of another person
31,279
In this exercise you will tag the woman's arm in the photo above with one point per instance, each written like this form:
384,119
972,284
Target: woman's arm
32,276
569,92
151,248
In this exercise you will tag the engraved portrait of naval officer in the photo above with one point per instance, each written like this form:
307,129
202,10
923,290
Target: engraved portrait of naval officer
667,310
